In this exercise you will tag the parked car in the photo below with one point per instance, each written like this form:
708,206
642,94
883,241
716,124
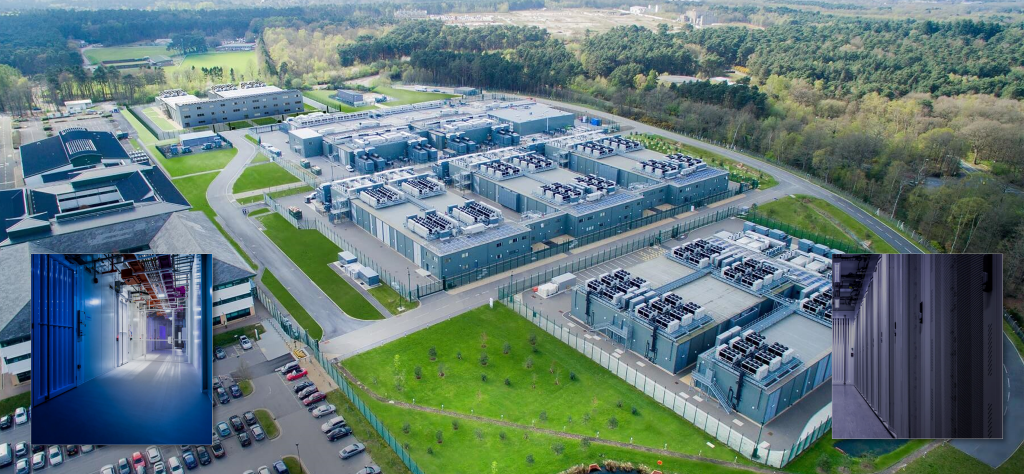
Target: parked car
38,448
316,397
153,453
297,375
243,438
71,450
307,392
236,423
257,432
159,468
236,391
371,469
291,365
291,370
174,466
351,450
20,416
223,397
22,467
189,459
56,457
38,460
203,454
223,429
302,386
338,433
250,418
280,467
220,353
262,470
323,410
333,423
245,342
87,448
6,456
21,450
217,449
138,460
6,422
216,382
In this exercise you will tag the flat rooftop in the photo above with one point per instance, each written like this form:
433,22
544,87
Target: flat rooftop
659,271
304,133
721,300
527,186
628,162
810,340
233,93
528,112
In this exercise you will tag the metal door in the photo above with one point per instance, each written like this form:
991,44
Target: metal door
54,318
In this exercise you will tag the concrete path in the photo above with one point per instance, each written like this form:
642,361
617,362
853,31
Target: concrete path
788,181
265,253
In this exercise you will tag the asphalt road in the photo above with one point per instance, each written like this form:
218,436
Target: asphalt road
7,154
788,182
331,318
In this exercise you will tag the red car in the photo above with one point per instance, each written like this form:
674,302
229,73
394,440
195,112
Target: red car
316,397
297,375
138,460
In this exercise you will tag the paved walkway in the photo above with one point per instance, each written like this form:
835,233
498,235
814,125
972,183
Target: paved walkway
913,456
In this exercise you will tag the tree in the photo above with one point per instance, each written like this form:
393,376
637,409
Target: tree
710,65
484,359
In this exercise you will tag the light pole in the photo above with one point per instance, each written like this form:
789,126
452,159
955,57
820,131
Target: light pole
301,469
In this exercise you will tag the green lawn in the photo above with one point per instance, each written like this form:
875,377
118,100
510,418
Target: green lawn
197,162
309,108
475,446
8,404
383,455
194,189
240,61
158,118
246,387
291,305
810,461
292,463
239,124
252,139
544,390
809,213
324,97
260,158
312,252
259,211
946,459
97,55
736,169
277,194
267,422
227,338
264,121
262,176
405,96
392,300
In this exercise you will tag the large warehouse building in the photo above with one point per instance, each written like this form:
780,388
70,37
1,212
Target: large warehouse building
751,310
229,103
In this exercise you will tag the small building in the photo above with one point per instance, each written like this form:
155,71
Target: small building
307,142
467,91
198,139
160,61
699,18
350,97
77,106
236,46
529,118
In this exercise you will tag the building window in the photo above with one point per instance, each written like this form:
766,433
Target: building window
11,360
25,376
237,314
16,340
499,245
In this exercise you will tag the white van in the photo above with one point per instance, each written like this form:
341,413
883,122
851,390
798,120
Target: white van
333,423
6,456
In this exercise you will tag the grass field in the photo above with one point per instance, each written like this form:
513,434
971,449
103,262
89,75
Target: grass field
383,455
194,189
475,446
158,118
277,194
835,462
324,97
246,387
9,404
262,176
290,304
392,300
97,55
197,162
227,338
239,124
543,393
738,170
267,422
264,121
257,212
312,253
240,61
815,215
292,463
405,96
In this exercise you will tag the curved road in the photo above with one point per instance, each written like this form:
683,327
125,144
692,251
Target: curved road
266,254
788,182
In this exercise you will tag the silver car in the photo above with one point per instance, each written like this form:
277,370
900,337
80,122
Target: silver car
323,410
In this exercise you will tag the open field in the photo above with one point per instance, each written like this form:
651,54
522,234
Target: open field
810,461
243,62
312,253
817,216
288,301
158,118
276,194
550,384
97,55
194,189
262,176
392,300
198,162
736,170
405,96
264,121
324,97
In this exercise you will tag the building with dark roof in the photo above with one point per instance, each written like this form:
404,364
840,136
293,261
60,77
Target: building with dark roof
15,316
78,180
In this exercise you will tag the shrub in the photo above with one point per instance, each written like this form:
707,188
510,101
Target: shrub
824,463
558,448
572,375
406,427
533,339
543,416
455,425
484,359
418,371
613,423
643,469
586,417
628,466
432,352
535,350
635,411
506,348
618,404
585,443
529,362
483,377
430,450
458,355
440,370
479,433
406,446
440,436
529,459
508,382
501,435
612,466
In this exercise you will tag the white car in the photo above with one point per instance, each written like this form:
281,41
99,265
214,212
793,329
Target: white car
153,453
20,416
22,465
288,366
159,468
87,448
350,168
108,469
323,410
174,465
39,460
56,457
246,343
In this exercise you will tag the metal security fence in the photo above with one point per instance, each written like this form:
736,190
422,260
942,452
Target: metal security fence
1013,325
299,334
291,167
283,211
759,218
671,400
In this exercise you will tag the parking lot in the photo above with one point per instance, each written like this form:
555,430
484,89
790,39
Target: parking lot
297,426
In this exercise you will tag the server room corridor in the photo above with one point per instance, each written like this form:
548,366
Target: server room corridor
126,350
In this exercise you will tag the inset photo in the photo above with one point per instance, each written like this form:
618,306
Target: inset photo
121,349
918,347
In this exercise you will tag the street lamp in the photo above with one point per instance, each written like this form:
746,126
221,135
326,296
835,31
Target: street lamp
301,469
